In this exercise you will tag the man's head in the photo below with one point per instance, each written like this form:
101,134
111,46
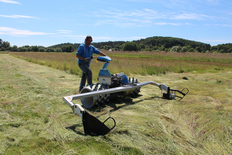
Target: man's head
88,40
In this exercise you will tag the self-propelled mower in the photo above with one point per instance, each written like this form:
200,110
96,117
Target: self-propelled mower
108,85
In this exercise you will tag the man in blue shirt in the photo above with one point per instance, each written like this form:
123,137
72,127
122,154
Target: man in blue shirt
84,53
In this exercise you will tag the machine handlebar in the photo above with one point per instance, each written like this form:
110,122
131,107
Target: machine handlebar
101,58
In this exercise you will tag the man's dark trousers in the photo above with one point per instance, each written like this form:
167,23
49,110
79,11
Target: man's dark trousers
86,73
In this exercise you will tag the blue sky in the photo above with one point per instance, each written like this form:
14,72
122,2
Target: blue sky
50,22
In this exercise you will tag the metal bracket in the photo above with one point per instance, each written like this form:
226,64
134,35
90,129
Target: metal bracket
173,93
94,127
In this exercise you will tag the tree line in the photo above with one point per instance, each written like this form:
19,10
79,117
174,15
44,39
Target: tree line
5,46
156,43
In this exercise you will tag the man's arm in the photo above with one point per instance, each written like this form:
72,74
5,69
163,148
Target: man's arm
82,58
96,51
102,54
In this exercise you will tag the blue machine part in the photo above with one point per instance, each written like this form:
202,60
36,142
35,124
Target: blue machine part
125,79
104,72
104,59
105,65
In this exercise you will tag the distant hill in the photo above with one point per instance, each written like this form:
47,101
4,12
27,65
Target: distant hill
149,44
156,43
222,48
99,45
165,43
75,46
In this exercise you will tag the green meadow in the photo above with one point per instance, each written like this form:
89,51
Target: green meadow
35,120
140,63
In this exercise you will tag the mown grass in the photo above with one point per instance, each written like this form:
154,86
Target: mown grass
141,63
35,120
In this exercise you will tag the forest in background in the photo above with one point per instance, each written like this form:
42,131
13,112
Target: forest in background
156,43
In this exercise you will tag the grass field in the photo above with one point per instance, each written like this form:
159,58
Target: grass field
35,120
140,63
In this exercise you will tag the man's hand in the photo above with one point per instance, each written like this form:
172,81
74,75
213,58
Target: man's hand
82,58
102,54
86,60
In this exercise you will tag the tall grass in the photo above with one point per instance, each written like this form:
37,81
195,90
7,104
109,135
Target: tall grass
188,56
4,52
142,63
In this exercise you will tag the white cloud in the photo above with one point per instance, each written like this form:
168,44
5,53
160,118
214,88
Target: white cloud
16,16
132,18
19,33
121,23
192,16
145,17
119,14
165,23
161,23
9,1
65,31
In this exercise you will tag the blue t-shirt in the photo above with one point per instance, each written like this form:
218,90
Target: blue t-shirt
86,52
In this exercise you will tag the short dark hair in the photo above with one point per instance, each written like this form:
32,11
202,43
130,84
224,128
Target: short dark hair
88,37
